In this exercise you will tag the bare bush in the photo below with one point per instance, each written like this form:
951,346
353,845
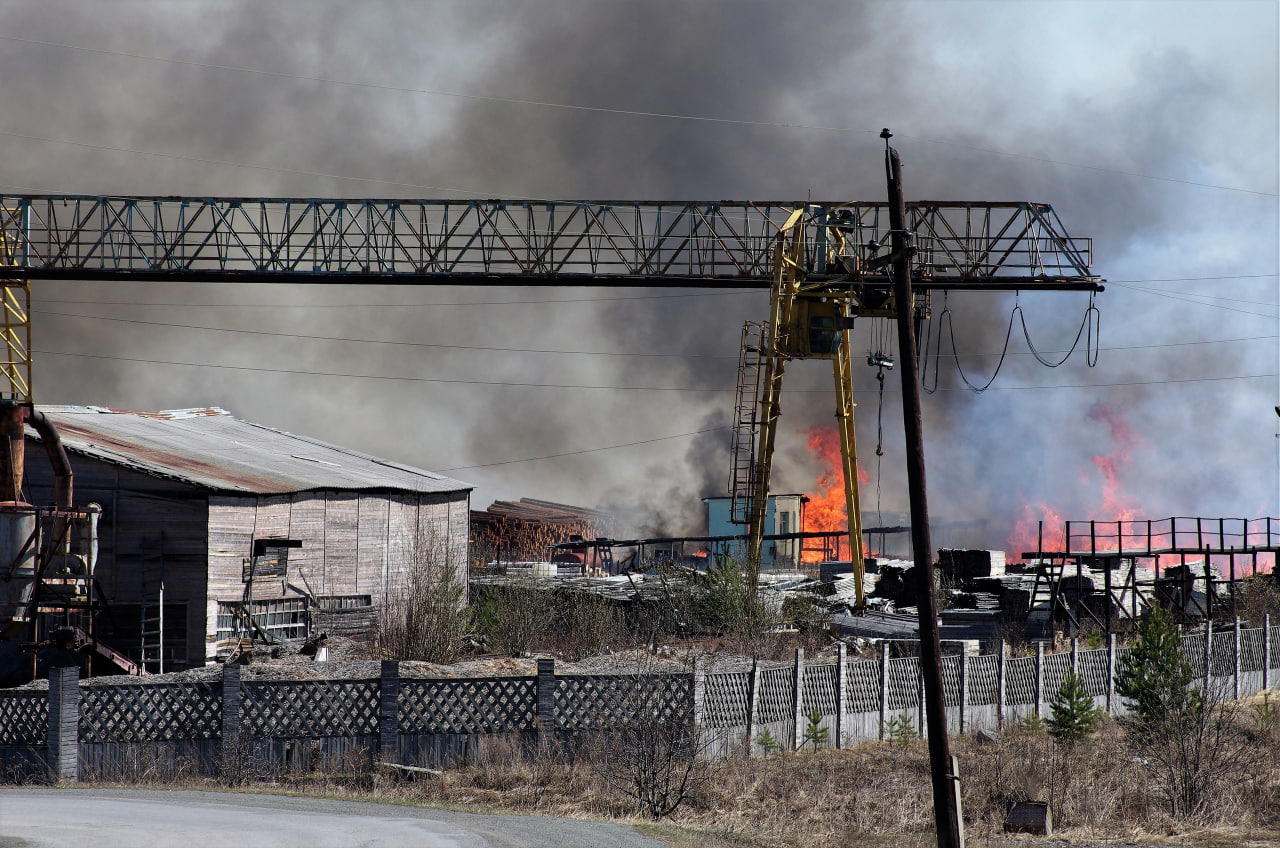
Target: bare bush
514,618
428,618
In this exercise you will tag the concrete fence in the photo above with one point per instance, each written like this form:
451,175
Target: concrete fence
87,728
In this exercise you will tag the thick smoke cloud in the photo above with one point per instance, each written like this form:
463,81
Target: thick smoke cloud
1185,91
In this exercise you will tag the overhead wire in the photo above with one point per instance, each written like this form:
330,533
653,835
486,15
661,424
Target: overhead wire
586,450
704,390
577,107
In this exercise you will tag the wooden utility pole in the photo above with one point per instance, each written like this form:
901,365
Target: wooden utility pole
945,783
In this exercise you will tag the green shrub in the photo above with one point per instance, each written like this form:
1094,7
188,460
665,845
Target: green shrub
1075,715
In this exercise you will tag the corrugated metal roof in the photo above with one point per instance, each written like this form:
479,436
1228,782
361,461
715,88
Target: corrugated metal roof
213,449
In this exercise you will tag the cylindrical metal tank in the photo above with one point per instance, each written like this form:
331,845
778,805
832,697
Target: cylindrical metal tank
17,558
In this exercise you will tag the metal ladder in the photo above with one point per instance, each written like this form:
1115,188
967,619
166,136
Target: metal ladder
151,624
746,425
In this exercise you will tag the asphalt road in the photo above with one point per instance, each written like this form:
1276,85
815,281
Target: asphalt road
76,818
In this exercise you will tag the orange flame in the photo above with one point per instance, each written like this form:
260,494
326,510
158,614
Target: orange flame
1116,505
826,511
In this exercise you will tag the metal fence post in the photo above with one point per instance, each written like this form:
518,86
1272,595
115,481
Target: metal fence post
1235,659
389,712
842,675
1000,660
1111,673
231,697
884,687
546,708
753,705
64,724
798,708
1039,678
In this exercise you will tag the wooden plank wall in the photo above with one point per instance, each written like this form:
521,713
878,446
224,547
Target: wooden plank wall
351,543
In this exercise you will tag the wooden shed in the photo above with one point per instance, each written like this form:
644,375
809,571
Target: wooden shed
222,517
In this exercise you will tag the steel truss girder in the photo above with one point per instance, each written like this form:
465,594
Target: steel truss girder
523,242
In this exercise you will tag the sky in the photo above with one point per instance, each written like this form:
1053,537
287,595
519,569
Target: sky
1149,127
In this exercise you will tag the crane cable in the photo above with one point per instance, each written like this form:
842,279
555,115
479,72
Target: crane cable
1090,330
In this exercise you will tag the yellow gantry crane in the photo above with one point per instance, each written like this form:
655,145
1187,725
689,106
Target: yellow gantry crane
16,317
818,291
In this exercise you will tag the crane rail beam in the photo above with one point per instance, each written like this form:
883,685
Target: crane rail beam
704,244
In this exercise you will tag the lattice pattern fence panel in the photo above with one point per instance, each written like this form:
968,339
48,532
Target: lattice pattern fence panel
1020,680
1275,647
904,683
480,705
1222,654
1093,672
982,679
951,680
1056,669
862,687
777,694
24,718
726,696
596,702
819,690
1251,649
309,708
150,712
1193,653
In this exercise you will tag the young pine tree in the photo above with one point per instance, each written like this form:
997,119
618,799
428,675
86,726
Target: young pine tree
1074,713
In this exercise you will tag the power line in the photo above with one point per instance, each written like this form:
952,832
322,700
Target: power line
391,377
395,342
1184,299
548,104
420,305
587,450
208,161
396,378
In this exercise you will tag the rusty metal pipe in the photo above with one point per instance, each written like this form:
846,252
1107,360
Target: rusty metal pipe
13,441
57,457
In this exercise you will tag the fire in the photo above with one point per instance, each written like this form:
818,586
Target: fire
1026,532
826,508
1116,505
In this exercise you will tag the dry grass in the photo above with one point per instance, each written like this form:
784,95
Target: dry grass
873,794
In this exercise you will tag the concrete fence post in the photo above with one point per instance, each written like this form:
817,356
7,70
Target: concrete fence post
699,696
798,704
389,712
231,698
1235,662
964,689
920,713
546,708
1039,678
842,705
1111,674
884,687
753,706
1075,656
1266,651
1000,660
1208,653
64,724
